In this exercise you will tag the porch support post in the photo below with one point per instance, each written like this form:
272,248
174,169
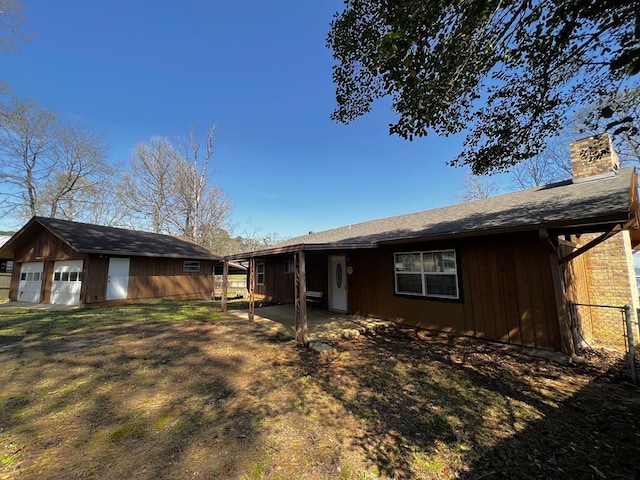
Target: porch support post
252,288
225,284
300,298
559,294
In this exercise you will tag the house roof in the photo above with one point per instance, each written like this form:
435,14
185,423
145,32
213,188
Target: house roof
99,239
567,205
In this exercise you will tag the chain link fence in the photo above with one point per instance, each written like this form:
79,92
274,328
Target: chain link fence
605,326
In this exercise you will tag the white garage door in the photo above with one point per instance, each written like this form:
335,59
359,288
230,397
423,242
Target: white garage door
67,281
30,283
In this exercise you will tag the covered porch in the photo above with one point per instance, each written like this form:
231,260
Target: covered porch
322,325
286,274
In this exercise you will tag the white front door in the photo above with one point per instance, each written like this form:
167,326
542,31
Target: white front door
338,283
30,283
67,282
118,279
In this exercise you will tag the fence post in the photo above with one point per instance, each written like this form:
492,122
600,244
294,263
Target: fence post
630,342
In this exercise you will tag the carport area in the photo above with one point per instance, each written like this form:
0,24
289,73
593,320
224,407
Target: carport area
322,325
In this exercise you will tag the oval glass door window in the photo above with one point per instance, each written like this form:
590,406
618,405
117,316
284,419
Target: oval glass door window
339,275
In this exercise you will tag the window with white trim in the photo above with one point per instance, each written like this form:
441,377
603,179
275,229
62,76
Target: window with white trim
433,273
191,266
259,273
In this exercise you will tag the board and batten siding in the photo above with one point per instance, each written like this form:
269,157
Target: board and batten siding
279,284
149,277
94,284
166,278
40,246
506,291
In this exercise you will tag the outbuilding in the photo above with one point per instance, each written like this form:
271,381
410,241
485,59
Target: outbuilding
63,262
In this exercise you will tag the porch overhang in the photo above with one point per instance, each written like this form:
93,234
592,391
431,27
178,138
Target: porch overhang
307,247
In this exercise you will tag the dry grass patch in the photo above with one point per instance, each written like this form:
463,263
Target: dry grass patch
177,390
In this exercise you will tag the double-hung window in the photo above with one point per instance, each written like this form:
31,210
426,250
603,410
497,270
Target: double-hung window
432,273
260,273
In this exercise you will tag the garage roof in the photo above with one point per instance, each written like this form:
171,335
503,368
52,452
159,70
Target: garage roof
100,239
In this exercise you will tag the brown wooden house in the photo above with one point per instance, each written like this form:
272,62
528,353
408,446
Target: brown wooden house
63,262
501,268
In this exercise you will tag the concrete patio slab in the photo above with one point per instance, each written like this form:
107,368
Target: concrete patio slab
322,325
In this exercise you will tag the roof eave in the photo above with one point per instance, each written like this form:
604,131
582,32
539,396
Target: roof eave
120,253
267,252
585,225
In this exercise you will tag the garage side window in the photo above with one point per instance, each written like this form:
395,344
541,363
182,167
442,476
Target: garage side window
191,266
260,273
432,273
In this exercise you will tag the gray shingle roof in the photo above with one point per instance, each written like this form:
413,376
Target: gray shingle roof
562,204
89,238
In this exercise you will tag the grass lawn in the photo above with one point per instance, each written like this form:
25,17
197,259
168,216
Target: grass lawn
176,390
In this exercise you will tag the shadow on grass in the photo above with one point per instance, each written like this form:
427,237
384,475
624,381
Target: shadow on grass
130,392
430,410
173,390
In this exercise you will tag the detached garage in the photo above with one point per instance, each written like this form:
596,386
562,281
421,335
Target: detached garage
70,263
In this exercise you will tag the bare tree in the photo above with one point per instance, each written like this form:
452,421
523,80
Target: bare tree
46,164
27,133
147,188
169,183
80,158
477,187
191,184
12,20
553,165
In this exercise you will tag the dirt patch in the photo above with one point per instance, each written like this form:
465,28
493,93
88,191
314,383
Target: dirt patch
161,393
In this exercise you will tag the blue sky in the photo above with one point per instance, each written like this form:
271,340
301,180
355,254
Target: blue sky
261,73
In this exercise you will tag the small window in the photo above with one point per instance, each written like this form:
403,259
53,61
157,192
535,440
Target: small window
6,266
29,276
191,266
73,277
56,276
65,276
36,276
428,274
23,276
288,266
260,274
79,276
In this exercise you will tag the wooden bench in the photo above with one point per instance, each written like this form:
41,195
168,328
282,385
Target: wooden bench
314,298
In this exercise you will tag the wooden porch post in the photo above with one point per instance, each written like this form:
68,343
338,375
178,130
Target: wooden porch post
559,294
300,298
225,284
252,288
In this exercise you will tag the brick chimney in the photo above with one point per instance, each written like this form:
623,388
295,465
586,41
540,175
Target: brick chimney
593,157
